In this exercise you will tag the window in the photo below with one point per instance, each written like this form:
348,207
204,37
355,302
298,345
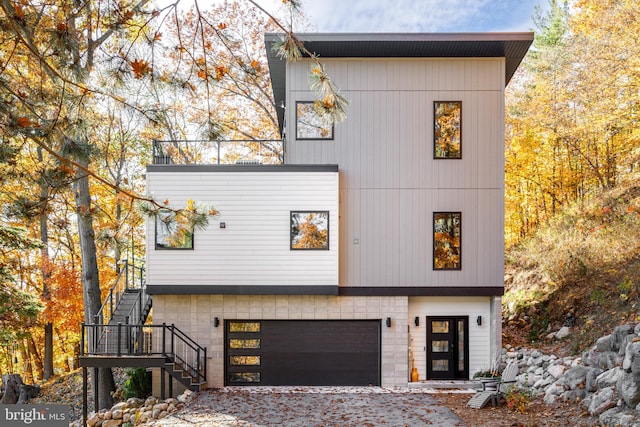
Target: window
238,343
171,233
310,230
243,347
244,360
309,124
447,129
244,326
447,250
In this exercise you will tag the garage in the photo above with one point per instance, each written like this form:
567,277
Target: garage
302,352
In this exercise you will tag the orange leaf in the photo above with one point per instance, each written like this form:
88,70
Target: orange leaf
221,70
157,36
18,12
202,74
140,68
222,26
128,15
24,122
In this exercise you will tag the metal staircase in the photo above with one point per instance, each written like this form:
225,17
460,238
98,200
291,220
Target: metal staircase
127,301
120,336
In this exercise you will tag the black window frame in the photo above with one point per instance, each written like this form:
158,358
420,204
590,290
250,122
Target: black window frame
433,222
315,138
160,246
291,227
435,131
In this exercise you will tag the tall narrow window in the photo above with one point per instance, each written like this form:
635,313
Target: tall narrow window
171,233
310,230
447,237
309,124
447,130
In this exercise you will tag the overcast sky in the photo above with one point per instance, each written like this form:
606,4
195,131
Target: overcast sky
369,16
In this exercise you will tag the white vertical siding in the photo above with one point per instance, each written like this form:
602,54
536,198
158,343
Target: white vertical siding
390,182
254,248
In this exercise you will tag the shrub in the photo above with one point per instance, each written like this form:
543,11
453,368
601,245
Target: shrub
138,384
518,400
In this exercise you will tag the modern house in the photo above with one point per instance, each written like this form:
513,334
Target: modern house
375,246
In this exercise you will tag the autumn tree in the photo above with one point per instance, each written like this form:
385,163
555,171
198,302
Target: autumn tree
572,111
19,309
84,88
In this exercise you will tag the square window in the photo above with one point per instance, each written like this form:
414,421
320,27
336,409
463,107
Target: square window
447,237
171,233
309,124
447,129
310,230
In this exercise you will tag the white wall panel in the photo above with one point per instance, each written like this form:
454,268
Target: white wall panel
479,336
385,153
253,249
395,235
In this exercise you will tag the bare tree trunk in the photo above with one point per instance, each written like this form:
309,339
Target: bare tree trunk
44,268
33,351
47,371
11,386
90,280
28,369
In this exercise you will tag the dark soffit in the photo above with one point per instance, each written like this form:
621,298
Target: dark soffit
511,46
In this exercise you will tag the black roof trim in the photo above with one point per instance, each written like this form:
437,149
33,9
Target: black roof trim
511,46
242,290
430,291
242,168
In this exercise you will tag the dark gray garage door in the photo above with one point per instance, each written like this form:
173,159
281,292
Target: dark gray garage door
302,352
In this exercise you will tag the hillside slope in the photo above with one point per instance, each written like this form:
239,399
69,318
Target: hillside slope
584,264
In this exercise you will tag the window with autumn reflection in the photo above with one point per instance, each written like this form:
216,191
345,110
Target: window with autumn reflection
310,230
309,124
172,232
447,140
447,241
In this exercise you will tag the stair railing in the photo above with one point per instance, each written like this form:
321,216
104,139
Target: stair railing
136,340
186,353
129,277
139,309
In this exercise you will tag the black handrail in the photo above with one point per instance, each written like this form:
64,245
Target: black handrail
130,277
136,340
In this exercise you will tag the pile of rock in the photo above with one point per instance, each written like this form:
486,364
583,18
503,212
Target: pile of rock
137,411
605,379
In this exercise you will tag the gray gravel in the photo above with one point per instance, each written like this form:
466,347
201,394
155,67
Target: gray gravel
312,406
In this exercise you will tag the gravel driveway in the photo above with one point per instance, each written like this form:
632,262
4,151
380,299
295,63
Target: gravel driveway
312,406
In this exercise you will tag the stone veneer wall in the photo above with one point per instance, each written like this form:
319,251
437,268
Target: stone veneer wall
194,314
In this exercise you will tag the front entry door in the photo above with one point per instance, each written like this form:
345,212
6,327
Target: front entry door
448,348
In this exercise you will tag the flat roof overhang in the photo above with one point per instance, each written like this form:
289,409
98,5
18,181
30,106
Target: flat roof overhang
511,46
